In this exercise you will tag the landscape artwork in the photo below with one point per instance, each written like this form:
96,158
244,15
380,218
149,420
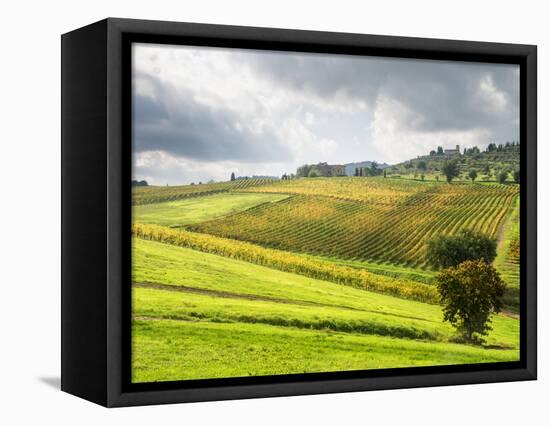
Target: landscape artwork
298,213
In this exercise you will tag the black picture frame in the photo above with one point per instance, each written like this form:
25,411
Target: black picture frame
96,176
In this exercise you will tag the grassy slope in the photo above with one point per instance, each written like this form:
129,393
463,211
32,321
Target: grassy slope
179,350
289,262
161,263
194,210
300,302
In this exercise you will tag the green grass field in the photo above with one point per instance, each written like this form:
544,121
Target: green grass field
208,307
199,209
167,350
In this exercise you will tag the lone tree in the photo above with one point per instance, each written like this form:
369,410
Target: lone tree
450,170
421,165
472,175
373,168
232,176
445,251
502,176
470,293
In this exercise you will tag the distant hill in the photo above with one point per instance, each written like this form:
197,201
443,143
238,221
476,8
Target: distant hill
350,167
256,177
487,163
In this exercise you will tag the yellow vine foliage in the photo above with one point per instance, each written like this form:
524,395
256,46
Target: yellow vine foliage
288,262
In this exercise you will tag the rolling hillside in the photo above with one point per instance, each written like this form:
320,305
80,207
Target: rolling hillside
263,277
378,222
199,315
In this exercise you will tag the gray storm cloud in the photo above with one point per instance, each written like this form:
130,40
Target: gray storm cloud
172,121
262,112
446,95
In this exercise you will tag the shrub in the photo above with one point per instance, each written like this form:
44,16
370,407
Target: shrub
502,176
445,251
470,293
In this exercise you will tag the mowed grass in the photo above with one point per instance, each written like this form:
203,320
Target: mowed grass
289,262
198,209
165,350
155,262
189,306
234,318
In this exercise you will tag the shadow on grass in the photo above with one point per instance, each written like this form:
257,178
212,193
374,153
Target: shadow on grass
502,347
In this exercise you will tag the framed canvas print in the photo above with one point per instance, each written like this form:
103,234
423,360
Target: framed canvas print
253,212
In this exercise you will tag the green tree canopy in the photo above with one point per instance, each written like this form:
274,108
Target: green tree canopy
303,171
502,176
445,251
470,293
472,175
450,170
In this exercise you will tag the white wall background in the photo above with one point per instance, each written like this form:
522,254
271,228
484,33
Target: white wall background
30,211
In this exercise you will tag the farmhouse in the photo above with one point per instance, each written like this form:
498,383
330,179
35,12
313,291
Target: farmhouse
329,170
452,152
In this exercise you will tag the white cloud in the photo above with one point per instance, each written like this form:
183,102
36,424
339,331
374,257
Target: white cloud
395,133
496,100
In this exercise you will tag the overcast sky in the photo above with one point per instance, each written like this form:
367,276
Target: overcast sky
201,113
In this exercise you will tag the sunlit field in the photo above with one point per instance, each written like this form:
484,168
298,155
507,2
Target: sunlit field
266,277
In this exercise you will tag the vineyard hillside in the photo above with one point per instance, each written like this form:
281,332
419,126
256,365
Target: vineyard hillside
374,219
